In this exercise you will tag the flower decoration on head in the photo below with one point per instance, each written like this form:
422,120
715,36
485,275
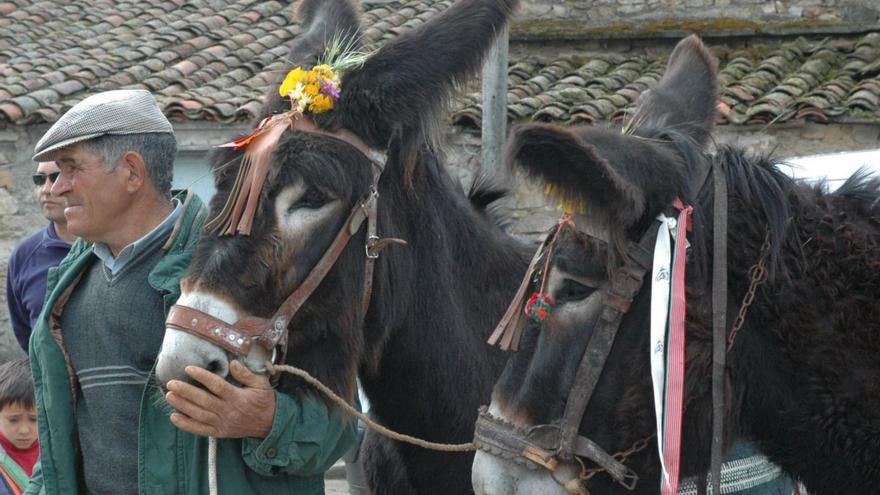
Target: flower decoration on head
315,90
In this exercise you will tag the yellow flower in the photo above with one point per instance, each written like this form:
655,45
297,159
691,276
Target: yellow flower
304,88
312,89
293,77
321,103
323,71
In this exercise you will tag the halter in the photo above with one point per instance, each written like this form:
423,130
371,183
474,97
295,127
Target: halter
547,445
272,333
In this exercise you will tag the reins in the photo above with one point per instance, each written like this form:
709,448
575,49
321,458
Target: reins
348,408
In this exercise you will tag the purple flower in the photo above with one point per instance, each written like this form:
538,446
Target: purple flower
330,89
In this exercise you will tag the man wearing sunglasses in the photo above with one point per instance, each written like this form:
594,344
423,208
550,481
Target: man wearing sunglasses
31,260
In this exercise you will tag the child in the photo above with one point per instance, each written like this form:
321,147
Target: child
19,448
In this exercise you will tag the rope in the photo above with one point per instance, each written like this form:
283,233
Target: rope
443,447
212,465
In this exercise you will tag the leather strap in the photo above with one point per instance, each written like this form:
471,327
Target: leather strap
537,446
719,322
584,447
547,445
625,284
510,326
273,332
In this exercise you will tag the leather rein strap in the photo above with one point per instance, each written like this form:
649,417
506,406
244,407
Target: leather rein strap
272,333
547,445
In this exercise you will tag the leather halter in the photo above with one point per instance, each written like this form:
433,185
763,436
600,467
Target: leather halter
549,444
272,333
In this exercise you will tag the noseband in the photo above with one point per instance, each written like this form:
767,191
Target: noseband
272,333
549,444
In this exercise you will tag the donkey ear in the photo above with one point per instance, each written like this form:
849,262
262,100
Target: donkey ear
404,86
323,21
575,172
685,99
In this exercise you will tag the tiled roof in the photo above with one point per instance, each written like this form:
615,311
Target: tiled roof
203,59
831,80
208,60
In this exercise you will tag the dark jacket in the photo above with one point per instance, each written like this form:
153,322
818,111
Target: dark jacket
26,279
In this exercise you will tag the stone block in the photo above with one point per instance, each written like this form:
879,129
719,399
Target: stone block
535,222
860,13
866,134
7,180
8,204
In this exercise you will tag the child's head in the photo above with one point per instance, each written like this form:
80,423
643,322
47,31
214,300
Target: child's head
18,414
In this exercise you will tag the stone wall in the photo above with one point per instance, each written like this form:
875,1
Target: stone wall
19,214
603,12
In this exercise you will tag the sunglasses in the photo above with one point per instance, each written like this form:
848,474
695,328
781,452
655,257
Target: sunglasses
40,179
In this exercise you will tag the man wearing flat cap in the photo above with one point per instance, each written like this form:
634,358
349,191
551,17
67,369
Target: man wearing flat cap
103,424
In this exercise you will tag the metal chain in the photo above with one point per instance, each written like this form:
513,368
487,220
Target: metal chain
758,275
621,456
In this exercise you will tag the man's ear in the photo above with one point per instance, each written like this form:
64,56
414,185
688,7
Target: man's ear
136,168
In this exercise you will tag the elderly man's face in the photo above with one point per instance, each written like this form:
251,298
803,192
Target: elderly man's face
51,205
95,197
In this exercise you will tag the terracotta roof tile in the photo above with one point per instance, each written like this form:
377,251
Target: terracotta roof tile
830,80
214,61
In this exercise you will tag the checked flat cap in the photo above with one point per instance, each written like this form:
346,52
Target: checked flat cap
111,112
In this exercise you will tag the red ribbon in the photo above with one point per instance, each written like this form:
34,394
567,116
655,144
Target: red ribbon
676,357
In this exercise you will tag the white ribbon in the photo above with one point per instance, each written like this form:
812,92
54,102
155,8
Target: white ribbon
661,278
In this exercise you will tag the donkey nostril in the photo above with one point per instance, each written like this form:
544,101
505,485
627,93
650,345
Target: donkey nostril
218,367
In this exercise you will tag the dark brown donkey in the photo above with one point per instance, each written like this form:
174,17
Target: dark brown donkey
803,372
419,347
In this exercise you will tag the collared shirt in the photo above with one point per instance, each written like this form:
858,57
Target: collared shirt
26,279
103,252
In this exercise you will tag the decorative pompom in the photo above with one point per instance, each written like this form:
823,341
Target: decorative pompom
539,306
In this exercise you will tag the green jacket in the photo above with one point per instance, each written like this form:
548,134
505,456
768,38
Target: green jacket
306,437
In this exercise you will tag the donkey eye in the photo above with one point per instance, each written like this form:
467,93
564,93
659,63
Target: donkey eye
573,290
312,199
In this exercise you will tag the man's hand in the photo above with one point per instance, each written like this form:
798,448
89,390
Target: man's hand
221,409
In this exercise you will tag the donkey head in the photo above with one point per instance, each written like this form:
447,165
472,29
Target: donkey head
616,184
318,174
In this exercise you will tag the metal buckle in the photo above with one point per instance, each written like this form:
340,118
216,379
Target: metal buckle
368,247
629,481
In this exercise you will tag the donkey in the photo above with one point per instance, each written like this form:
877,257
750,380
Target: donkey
803,372
419,345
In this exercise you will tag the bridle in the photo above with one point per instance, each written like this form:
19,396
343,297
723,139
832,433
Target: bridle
548,445
272,333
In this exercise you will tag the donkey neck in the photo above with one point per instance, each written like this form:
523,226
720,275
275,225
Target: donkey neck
438,300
